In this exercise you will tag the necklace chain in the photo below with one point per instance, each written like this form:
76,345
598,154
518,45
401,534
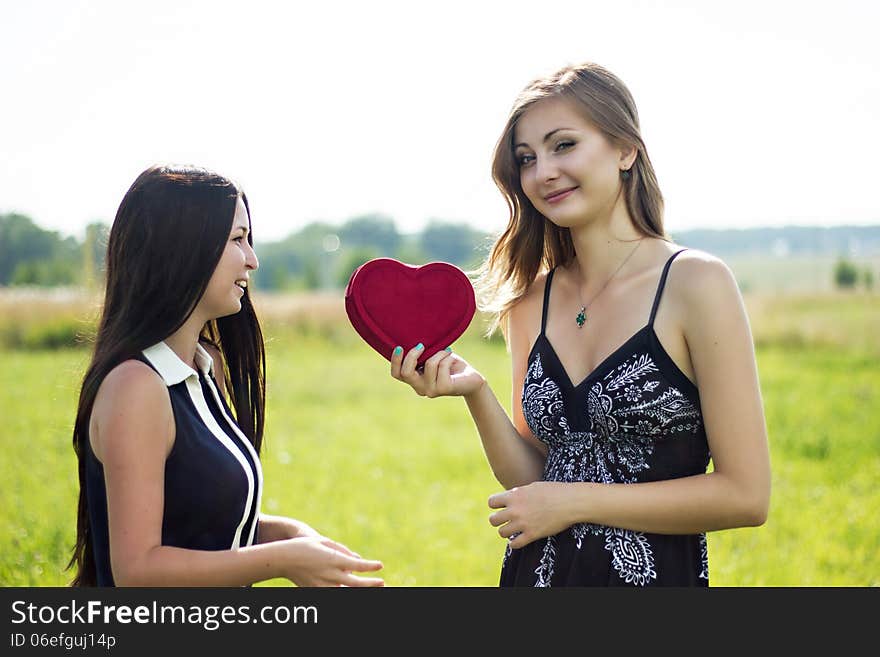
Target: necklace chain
581,318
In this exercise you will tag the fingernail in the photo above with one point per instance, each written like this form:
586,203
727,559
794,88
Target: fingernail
398,351
419,346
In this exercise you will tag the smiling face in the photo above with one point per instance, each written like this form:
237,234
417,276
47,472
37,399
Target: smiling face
569,169
226,287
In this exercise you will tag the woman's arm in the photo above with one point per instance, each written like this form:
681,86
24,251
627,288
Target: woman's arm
519,460
736,493
513,459
132,431
515,456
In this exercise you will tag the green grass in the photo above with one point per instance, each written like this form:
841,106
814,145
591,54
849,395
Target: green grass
824,523
394,476
38,392
403,479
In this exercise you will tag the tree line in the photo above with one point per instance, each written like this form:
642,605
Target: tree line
322,255
318,256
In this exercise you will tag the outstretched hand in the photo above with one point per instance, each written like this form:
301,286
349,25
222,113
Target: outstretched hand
444,374
320,561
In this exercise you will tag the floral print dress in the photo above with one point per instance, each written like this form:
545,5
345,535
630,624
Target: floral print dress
635,418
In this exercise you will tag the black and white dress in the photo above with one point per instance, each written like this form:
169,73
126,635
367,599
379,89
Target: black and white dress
213,476
635,418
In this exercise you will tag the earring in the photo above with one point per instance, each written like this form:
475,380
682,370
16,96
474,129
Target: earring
625,174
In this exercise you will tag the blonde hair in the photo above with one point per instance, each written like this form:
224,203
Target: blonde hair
531,243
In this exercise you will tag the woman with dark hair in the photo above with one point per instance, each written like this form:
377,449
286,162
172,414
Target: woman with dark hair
632,358
170,476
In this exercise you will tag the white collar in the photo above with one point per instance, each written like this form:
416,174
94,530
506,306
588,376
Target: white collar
170,366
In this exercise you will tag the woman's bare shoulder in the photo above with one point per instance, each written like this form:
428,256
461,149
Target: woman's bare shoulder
131,397
525,306
131,375
702,286
524,320
697,273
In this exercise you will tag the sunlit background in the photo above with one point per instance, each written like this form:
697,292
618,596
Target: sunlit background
754,113
365,129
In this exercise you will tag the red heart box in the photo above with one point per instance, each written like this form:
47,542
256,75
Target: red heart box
390,303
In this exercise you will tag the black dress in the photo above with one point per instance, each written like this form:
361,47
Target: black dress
635,418
213,475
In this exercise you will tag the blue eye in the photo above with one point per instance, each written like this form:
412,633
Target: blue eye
563,145
524,160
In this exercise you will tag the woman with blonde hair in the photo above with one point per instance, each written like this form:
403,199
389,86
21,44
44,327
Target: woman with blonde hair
632,358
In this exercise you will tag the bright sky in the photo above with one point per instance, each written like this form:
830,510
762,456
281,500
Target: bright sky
754,113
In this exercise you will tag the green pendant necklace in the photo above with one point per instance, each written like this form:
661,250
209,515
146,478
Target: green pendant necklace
581,318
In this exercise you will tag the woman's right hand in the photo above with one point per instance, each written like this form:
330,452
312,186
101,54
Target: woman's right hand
320,561
444,374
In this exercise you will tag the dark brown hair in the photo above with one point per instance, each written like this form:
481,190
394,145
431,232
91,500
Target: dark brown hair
166,240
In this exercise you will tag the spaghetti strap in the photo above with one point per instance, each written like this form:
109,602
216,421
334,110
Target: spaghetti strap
661,286
547,282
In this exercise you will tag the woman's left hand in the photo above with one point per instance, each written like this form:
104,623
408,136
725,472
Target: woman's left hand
530,512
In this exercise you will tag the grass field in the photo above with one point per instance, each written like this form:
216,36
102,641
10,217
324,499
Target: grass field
403,479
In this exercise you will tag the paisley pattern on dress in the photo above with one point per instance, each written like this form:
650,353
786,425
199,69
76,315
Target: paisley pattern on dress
544,571
631,555
635,418
629,411
704,557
